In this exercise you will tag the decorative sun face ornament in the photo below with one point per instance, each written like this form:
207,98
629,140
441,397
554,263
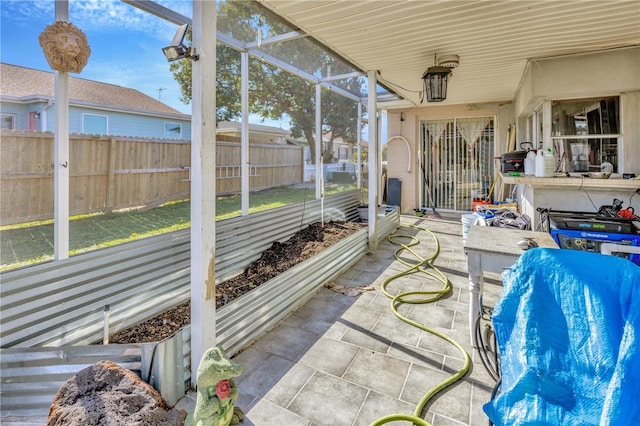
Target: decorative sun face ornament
65,46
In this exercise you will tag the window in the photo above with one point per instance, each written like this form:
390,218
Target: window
8,121
585,133
172,130
94,124
344,153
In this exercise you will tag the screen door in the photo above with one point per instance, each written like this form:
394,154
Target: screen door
456,162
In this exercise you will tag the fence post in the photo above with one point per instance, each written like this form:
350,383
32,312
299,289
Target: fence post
111,171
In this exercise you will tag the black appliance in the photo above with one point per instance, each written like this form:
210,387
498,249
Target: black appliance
513,161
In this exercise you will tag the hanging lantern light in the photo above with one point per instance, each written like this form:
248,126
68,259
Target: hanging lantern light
435,78
435,83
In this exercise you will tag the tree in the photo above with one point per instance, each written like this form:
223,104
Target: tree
339,120
274,93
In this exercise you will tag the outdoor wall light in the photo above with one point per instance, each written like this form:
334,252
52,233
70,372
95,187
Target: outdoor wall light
435,78
177,49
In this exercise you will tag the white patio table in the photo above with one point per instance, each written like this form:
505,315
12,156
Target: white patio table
493,249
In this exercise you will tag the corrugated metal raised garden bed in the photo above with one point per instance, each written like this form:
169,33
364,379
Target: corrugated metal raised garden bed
238,324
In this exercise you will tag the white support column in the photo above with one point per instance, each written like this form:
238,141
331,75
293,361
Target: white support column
203,178
420,176
373,159
319,165
546,125
244,145
61,153
378,117
358,148
535,124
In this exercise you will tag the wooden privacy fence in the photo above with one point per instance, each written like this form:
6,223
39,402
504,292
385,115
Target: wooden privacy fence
270,166
111,173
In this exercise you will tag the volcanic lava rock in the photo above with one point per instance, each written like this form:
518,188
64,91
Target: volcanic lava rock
106,394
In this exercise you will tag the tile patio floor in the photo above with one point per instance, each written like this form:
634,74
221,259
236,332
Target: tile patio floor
343,360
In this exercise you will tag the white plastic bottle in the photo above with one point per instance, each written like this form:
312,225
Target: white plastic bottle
540,163
549,163
530,163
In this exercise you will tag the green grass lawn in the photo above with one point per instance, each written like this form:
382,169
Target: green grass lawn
31,243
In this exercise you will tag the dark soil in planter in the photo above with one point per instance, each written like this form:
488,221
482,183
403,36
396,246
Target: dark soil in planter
275,260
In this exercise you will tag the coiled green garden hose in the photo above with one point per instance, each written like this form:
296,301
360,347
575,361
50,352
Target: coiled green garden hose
424,266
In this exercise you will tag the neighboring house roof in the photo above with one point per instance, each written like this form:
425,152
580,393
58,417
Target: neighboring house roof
326,137
21,84
297,142
253,128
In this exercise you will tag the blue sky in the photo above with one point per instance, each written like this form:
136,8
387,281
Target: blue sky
126,43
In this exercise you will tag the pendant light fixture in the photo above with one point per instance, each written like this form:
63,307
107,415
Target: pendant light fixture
435,78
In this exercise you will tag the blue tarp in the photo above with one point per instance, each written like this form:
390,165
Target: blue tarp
567,327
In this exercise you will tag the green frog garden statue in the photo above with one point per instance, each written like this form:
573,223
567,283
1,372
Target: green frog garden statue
217,391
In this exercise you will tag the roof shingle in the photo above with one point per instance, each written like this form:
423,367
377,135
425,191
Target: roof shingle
21,82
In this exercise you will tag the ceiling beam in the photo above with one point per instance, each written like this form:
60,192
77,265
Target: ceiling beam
293,35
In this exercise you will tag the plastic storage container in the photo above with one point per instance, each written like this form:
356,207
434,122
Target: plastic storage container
468,220
549,163
530,163
540,164
545,163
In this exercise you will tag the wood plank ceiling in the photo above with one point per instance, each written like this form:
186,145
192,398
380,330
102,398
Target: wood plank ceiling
494,39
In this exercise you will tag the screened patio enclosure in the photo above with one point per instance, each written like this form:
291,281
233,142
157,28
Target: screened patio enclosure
456,161
269,68
388,40
277,71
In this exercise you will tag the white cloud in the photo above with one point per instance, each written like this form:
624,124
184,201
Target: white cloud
115,16
183,7
22,12
97,15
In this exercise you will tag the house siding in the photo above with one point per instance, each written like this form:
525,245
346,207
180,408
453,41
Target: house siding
128,112
119,124
20,113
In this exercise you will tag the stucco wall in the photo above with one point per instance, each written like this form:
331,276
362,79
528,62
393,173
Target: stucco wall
631,132
400,165
398,157
609,73
602,74
597,74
